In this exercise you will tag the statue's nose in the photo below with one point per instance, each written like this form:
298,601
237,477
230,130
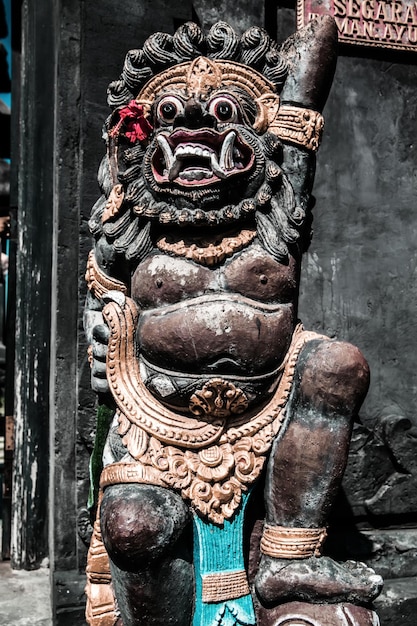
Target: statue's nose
195,116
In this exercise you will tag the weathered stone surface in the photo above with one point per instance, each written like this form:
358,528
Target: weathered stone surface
398,602
240,15
393,553
69,598
370,294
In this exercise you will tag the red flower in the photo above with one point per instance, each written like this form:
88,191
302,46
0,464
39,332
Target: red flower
137,127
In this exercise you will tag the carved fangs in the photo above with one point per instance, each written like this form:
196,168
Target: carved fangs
202,157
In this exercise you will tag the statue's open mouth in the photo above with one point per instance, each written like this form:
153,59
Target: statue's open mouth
201,157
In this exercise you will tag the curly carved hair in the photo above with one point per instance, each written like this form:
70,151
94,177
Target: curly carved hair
160,51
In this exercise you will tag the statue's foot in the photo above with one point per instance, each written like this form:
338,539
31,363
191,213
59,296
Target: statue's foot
314,579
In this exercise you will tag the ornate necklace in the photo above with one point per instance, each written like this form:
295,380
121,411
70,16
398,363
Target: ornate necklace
208,251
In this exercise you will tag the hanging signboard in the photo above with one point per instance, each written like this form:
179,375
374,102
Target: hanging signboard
386,24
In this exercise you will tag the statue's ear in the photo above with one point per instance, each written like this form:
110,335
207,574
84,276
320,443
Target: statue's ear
311,55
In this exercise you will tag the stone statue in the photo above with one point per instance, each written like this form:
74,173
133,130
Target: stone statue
231,422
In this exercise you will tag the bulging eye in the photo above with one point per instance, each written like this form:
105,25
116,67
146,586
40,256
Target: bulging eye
224,109
168,108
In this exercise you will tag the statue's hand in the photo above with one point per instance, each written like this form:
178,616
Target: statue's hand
98,354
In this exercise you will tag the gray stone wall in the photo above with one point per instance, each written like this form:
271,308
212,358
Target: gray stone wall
359,276
359,284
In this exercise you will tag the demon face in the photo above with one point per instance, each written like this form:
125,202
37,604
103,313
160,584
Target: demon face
200,144
205,153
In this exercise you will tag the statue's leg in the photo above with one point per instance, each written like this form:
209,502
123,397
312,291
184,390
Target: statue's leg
147,533
303,477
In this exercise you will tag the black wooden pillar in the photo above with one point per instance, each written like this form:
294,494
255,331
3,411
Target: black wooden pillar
33,291
46,166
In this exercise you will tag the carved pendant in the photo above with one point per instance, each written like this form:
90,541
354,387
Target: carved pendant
218,398
212,479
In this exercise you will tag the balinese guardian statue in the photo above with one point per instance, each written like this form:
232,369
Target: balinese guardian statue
230,422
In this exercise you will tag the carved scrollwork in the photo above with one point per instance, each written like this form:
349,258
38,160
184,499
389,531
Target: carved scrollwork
186,76
114,203
212,478
98,282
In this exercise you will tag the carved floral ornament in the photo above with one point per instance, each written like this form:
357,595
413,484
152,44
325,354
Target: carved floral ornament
200,77
218,398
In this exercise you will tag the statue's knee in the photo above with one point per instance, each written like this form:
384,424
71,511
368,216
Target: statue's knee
140,523
335,374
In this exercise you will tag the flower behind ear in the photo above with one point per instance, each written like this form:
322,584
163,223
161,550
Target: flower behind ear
132,118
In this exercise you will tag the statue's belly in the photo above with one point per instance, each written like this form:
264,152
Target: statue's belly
218,334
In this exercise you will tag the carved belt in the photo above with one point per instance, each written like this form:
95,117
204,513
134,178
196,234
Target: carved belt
174,388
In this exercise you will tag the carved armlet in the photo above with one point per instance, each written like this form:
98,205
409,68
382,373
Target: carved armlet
303,127
282,542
